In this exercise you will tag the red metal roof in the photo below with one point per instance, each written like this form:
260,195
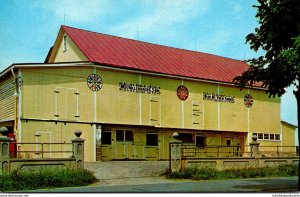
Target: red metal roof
127,53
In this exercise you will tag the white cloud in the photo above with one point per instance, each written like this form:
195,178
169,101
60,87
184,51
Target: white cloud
215,42
162,16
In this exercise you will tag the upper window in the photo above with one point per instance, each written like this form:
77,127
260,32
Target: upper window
65,42
124,135
151,139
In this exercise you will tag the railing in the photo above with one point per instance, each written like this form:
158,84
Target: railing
41,150
193,151
278,151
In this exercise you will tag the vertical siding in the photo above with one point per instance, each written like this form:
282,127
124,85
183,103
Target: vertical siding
7,99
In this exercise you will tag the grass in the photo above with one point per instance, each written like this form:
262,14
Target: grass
45,178
212,174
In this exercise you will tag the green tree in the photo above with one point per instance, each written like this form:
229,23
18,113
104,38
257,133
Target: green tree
278,35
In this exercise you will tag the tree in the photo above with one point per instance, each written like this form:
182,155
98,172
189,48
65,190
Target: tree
278,35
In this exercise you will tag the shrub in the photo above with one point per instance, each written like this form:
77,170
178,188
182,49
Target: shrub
45,178
210,173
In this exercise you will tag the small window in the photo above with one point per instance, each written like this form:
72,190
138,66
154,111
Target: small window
151,139
266,136
129,135
277,137
65,42
260,136
120,135
186,137
201,141
272,137
106,137
228,142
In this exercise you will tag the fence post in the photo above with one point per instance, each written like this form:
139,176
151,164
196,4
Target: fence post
254,146
175,154
78,149
4,151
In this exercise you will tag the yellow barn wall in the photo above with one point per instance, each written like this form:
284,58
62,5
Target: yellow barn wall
265,113
39,99
113,105
122,107
233,116
51,132
288,131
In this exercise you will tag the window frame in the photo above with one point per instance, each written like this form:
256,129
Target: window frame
273,137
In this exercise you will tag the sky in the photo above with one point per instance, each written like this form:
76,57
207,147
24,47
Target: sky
29,27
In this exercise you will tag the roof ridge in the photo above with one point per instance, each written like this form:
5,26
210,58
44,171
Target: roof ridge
145,42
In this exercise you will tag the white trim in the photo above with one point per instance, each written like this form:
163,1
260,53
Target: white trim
203,118
140,99
95,100
19,106
94,140
182,109
219,111
248,124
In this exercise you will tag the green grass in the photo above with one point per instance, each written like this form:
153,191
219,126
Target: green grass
45,178
212,174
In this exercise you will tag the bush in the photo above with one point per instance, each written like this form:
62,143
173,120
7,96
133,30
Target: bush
210,173
45,178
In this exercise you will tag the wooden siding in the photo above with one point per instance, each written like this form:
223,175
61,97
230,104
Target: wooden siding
7,98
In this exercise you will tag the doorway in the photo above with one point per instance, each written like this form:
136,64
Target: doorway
124,144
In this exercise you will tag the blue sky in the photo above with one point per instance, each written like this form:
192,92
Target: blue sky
29,27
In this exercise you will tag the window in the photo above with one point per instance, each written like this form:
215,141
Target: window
186,137
228,142
151,139
106,137
124,135
120,135
267,136
201,141
65,42
129,135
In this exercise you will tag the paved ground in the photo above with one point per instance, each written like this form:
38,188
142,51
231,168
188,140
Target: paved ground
128,172
144,176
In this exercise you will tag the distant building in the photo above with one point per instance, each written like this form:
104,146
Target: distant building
128,97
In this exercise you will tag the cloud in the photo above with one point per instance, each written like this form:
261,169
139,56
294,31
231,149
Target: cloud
161,17
214,43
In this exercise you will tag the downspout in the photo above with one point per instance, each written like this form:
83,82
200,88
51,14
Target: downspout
16,100
17,125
